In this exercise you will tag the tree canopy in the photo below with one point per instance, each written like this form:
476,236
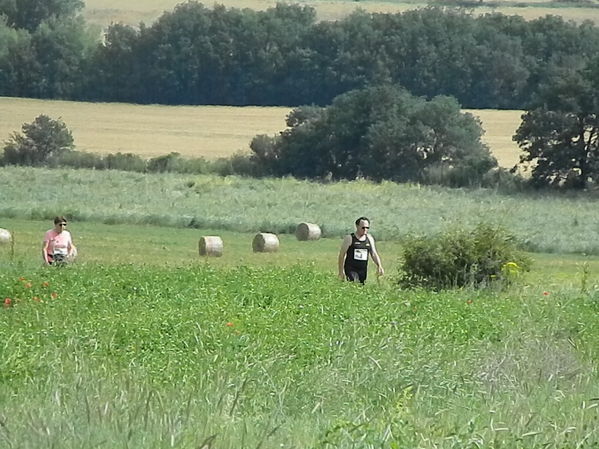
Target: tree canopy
378,133
560,134
29,14
283,56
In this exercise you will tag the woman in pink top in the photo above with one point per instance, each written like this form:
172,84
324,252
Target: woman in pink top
58,246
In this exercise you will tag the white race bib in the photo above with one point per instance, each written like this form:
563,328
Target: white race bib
360,254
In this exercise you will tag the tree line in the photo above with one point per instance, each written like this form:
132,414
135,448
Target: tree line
284,56
379,133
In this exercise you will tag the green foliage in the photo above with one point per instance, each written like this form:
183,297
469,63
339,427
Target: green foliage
237,164
379,133
136,356
29,14
61,47
560,223
199,55
483,256
560,137
41,140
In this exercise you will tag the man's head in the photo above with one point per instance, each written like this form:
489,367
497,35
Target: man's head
362,226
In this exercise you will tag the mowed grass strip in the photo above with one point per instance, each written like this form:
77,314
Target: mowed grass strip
144,356
194,131
550,222
153,130
105,12
159,246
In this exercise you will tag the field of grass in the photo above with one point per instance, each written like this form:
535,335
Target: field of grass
545,223
143,344
193,131
104,12
141,356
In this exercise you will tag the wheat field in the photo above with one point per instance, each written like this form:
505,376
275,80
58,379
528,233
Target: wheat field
194,131
132,12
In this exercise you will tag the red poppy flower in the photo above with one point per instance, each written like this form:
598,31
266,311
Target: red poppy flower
229,324
545,293
54,295
7,302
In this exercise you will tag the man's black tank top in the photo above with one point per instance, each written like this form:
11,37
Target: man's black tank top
357,253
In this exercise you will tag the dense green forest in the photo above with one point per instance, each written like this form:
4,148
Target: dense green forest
284,56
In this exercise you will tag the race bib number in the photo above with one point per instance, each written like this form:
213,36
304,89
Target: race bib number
60,251
360,254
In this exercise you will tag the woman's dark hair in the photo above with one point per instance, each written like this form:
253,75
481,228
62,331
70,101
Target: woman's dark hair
360,219
60,219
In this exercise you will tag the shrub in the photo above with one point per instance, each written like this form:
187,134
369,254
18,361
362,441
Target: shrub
125,162
77,159
175,163
462,257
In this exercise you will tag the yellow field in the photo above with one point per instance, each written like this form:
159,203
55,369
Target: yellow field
103,12
209,131
499,128
193,131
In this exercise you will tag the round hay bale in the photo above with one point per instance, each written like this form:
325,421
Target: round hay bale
5,236
265,243
211,245
308,231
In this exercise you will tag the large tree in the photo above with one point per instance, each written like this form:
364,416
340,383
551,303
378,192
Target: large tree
41,140
378,133
29,14
559,136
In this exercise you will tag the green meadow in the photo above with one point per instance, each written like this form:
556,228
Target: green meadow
197,356
144,344
559,223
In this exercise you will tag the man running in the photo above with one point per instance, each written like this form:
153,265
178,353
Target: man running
353,255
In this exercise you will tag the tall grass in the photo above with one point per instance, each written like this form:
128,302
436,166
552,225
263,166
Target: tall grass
140,357
547,223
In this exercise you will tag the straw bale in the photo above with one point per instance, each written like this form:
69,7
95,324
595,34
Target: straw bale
5,236
211,245
308,231
265,243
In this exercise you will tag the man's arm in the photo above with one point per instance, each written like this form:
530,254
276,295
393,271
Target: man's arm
342,253
375,257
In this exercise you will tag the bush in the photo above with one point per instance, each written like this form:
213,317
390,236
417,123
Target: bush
462,257
125,162
77,159
175,163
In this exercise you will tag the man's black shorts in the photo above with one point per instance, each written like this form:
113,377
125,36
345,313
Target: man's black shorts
355,275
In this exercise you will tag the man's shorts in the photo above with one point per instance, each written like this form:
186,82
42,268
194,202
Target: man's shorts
355,275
